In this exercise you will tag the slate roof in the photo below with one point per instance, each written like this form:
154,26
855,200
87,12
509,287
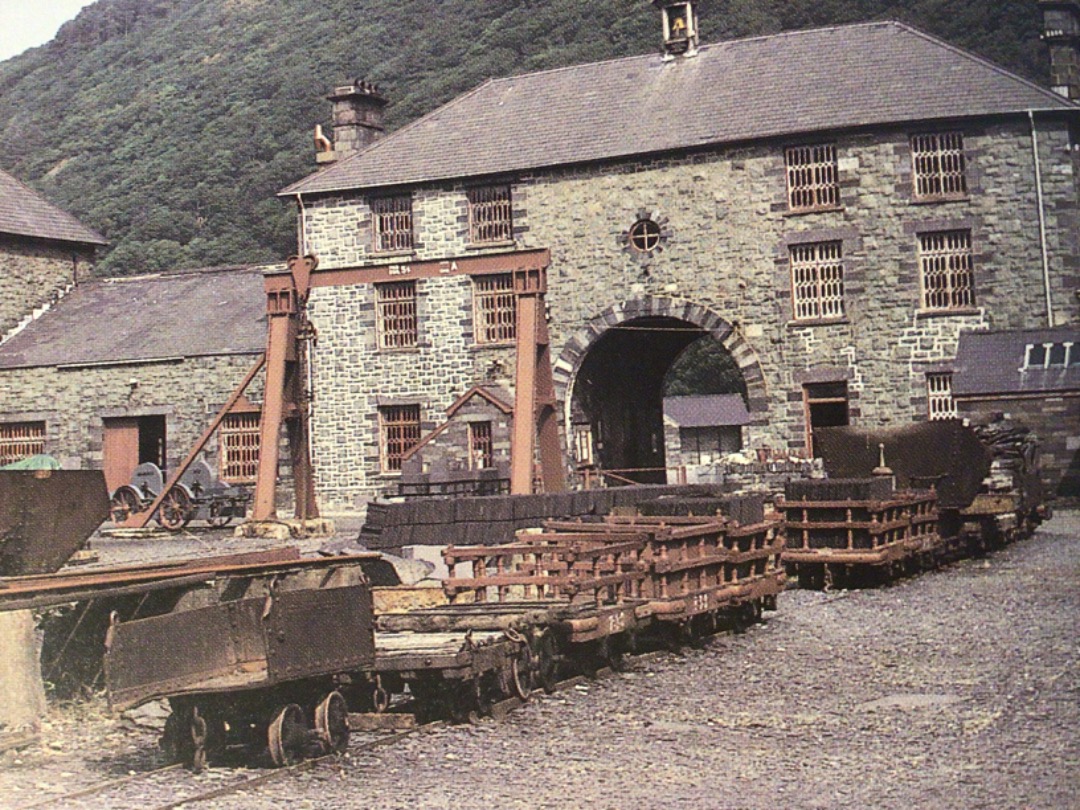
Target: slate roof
707,410
24,212
993,363
798,82
218,311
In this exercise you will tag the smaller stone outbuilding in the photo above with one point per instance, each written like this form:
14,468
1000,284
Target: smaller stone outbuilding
129,370
1030,376
699,431
44,251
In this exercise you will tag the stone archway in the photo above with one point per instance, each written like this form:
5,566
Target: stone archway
608,377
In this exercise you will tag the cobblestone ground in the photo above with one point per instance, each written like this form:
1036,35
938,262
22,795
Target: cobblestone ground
956,689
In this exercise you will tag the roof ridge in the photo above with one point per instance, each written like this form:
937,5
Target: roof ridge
987,63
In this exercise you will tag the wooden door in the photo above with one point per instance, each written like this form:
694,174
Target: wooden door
121,450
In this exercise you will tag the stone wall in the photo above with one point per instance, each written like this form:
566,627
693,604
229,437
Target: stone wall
724,256
74,401
35,273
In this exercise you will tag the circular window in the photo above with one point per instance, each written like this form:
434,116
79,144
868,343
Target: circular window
644,236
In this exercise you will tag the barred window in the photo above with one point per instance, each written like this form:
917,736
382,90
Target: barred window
940,403
399,429
946,269
817,281
481,447
493,308
239,448
393,222
19,440
812,177
395,320
490,218
938,165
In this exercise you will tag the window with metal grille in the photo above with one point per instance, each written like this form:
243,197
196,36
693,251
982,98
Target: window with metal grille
493,308
239,448
940,403
490,217
481,447
395,321
938,165
393,223
812,177
817,281
399,427
19,440
947,270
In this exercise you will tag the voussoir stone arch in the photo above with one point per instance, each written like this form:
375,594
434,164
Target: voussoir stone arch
577,346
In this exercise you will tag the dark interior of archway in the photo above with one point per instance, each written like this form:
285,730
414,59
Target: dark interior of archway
620,392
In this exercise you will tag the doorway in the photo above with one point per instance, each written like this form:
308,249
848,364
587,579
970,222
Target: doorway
130,441
826,405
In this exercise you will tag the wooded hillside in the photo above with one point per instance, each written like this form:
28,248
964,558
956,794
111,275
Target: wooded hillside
169,125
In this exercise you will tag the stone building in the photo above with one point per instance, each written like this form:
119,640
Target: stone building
43,252
1030,377
835,207
128,370
699,431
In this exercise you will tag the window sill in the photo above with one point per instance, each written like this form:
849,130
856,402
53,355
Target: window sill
489,245
502,344
398,350
392,254
939,200
946,313
794,324
802,212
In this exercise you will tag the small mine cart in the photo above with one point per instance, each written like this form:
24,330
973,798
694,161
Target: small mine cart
198,495
252,662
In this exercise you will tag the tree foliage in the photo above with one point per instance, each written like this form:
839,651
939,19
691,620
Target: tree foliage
169,125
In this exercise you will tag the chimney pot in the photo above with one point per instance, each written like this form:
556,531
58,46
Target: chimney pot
1061,33
357,111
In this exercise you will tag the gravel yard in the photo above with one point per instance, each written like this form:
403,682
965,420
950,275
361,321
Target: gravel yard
956,689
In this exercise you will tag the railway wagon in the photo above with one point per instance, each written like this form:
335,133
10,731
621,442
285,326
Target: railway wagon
274,667
902,499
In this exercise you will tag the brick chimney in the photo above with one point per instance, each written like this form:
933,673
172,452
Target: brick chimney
1061,32
358,121
680,28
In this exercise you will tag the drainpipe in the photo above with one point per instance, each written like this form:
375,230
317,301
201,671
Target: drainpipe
1042,219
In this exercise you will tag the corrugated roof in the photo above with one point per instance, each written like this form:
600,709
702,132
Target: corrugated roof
799,82
993,363
706,410
24,212
209,312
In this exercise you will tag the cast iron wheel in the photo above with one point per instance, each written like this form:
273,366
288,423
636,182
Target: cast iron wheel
124,503
548,658
176,739
176,510
612,651
287,735
220,514
332,723
522,672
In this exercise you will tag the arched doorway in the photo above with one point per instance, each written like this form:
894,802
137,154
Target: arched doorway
611,376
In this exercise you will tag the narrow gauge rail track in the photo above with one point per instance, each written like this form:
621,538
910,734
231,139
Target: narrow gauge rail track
183,788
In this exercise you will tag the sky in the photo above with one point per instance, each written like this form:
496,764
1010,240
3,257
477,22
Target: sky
28,23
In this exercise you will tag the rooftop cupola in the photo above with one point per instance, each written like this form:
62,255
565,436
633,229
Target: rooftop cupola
358,121
680,28
1061,32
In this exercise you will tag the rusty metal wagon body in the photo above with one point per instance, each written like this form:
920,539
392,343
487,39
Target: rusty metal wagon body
253,661
198,495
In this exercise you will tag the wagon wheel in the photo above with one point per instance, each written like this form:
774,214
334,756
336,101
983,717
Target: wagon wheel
332,723
522,672
220,514
287,735
176,510
124,503
611,652
548,660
